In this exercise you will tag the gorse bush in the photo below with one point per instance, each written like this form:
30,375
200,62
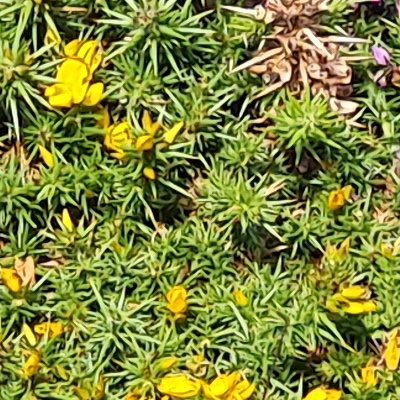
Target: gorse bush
165,233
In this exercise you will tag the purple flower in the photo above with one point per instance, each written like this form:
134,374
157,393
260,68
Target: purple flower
382,57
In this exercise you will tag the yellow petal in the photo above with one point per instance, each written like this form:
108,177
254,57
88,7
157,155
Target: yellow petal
346,191
11,279
392,353
147,123
179,386
29,335
333,394
31,366
149,173
144,143
71,49
67,221
168,363
354,308
316,394
219,387
243,390
177,300
170,135
59,95
354,292
369,306
83,394
240,298
97,59
87,51
48,158
72,72
336,200
79,91
94,94
52,37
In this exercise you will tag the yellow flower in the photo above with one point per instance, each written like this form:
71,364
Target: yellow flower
170,135
149,173
144,143
221,386
338,198
391,354
148,125
352,300
48,158
177,300
31,366
67,221
179,386
53,329
240,298
368,374
11,280
118,138
338,254
168,363
321,393
75,74
30,336
88,52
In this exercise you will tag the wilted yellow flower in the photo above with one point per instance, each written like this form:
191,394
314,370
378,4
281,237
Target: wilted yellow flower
332,253
170,135
391,354
118,138
53,329
31,366
338,198
149,173
29,335
82,393
179,386
168,363
240,298
177,300
67,221
11,279
368,374
48,158
322,393
144,143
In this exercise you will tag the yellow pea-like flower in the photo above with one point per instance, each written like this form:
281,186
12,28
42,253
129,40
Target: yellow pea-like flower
31,366
221,386
177,300
240,298
118,137
48,158
11,280
53,329
322,393
170,135
243,390
338,198
179,386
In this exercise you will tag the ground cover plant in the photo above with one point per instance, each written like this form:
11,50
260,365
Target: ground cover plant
199,199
